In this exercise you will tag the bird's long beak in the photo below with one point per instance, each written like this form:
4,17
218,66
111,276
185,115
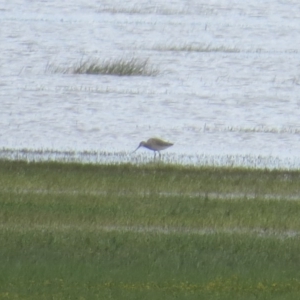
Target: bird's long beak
136,148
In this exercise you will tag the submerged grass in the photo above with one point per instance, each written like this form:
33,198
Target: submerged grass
142,9
119,67
197,48
80,231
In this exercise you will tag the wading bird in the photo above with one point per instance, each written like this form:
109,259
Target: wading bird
155,145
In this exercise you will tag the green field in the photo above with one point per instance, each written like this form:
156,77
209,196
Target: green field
155,231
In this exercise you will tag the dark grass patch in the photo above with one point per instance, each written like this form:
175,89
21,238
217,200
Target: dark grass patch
118,67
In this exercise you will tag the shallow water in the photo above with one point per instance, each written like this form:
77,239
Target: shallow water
228,82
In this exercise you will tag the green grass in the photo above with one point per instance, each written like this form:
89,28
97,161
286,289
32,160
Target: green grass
79,231
120,67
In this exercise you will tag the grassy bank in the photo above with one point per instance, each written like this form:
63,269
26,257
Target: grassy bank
75,231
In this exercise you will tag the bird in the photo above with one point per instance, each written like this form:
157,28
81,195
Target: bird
154,144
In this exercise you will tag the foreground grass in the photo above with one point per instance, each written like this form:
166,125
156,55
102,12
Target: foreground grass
73,263
72,231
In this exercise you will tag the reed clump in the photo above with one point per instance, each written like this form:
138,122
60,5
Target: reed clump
118,67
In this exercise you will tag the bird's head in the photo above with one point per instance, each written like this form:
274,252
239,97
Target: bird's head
142,144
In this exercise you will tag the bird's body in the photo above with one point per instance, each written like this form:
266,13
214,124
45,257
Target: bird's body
155,144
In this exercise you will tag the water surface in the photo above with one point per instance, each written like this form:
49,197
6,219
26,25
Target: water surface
228,82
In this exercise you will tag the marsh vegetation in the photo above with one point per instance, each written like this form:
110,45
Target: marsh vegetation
94,66
147,231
